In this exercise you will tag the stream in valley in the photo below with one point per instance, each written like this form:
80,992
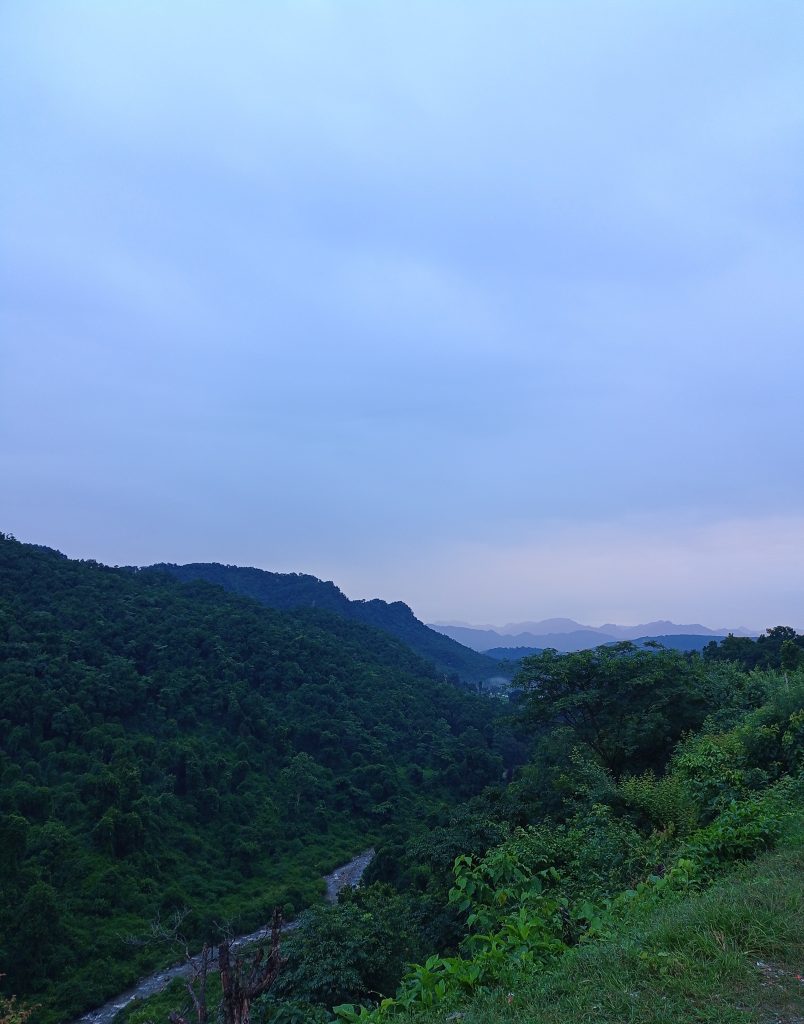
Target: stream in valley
346,876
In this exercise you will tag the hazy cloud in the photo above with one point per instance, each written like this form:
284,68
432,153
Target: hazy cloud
350,287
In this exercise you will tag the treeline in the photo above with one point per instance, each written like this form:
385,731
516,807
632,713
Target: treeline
169,746
781,647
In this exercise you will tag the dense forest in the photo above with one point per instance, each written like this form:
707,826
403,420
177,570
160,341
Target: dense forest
780,647
165,746
287,591
618,838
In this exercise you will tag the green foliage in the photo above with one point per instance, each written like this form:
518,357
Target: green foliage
665,802
520,925
718,767
778,648
628,705
434,850
740,832
292,591
551,890
166,745
595,852
728,955
355,950
268,1009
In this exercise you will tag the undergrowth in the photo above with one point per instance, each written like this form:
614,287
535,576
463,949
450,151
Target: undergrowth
730,955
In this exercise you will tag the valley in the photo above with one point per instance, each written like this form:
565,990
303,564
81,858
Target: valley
347,875
175,749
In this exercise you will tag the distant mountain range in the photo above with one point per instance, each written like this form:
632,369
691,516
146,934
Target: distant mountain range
567,635
286,591
675,642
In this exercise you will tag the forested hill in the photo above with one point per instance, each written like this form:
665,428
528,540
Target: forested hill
167,745
286,591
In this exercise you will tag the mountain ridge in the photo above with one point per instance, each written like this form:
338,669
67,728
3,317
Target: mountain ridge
288,591
675,642
579,637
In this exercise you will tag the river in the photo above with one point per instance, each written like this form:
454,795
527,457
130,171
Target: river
346,876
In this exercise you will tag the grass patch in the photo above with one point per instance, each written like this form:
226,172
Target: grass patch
689,960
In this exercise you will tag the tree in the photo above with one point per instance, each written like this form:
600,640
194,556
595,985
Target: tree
356,949
778,647
244,976
732,648
14,831
301,777
196,986
628,705
791,655
39,932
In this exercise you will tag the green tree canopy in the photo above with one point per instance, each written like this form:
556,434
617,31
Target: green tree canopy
628,705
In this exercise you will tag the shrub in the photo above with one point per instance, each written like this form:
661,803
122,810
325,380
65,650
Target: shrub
666,803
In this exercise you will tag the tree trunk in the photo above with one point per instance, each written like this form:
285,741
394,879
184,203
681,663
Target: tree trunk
243,980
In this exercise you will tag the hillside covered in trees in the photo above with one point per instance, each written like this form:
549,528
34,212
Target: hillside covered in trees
167,746
644,865
288,591
628,816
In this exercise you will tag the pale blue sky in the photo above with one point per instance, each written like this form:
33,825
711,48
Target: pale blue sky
494,308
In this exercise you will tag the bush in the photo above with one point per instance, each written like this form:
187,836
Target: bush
665,803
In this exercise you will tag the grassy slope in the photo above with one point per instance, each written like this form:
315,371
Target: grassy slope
689,960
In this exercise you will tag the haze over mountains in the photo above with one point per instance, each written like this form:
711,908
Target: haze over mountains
568,635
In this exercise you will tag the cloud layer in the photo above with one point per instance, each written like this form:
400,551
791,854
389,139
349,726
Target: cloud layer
332,286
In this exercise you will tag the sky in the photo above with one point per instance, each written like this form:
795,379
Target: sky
493,308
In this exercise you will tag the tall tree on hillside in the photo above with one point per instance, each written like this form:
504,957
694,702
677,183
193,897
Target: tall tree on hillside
628,705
